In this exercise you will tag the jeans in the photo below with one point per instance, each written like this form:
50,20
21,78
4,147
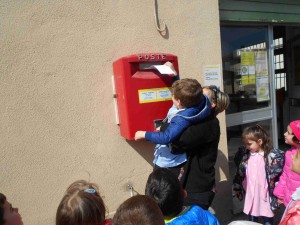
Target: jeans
266,220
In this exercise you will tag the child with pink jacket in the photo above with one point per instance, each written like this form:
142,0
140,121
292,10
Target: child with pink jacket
289,180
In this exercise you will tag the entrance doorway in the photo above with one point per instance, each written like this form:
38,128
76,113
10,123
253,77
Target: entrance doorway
286,75
261,74
247,65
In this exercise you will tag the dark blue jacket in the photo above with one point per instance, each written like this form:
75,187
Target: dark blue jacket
181,120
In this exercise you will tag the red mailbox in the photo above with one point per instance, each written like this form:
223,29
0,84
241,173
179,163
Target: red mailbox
143,95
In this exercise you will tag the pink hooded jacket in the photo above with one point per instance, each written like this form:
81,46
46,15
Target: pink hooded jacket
288,181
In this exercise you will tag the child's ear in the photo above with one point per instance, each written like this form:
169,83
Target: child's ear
178,100
179,103
213,105
260,142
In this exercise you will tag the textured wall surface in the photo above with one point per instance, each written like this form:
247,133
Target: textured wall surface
57,114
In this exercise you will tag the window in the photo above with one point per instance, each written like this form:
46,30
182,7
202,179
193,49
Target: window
280,71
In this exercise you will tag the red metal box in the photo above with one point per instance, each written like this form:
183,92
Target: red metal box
143,95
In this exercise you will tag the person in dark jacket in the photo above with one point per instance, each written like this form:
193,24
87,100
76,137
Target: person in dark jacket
200,141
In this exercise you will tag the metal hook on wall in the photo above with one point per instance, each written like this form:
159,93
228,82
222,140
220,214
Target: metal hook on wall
160,25
133,192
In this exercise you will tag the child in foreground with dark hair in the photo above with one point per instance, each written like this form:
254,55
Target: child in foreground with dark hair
8,214
82,205
138,210
164,187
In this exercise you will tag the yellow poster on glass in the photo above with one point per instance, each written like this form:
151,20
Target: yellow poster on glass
247,67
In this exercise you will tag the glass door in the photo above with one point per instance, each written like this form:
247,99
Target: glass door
247,60
247,67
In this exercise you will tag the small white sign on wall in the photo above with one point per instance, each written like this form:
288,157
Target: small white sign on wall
212,75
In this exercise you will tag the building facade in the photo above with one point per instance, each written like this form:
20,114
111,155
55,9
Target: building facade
57,109
58,118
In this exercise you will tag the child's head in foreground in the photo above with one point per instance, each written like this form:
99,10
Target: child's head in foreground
81,205
165,188
187,91
8,214
138,210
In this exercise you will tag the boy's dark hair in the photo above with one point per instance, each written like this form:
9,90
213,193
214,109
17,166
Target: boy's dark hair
188,91
2,201
164,187
82,204
138,210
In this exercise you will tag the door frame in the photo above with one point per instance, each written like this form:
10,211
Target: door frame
267,113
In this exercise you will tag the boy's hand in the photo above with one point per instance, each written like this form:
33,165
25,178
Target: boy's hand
169,64
139,135
157,128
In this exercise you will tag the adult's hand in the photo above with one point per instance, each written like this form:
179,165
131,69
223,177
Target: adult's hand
169,64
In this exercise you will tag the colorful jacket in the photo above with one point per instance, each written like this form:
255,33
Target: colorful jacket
274,163
288,181
194,215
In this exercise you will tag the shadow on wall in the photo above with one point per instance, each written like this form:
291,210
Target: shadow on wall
222,163
222,204
144,149
130,185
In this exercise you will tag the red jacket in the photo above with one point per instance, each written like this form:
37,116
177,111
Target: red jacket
292,216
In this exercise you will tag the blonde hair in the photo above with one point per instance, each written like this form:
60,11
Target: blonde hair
219,98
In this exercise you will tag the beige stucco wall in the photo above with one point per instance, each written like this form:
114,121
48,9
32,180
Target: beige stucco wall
57,114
